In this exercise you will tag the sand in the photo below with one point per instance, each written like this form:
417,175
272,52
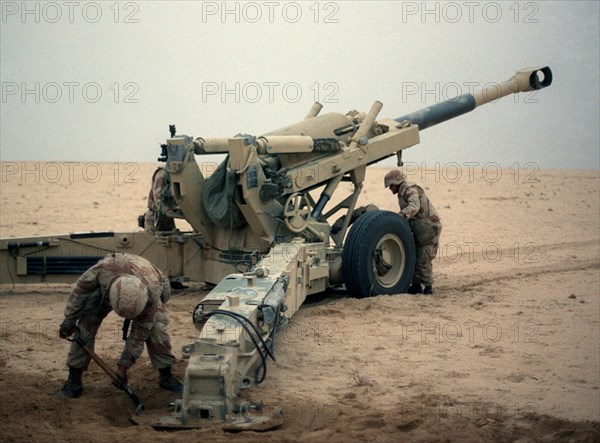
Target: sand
508,348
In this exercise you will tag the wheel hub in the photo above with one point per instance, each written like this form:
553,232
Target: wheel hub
388,260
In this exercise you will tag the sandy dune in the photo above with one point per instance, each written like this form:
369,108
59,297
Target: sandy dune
508,349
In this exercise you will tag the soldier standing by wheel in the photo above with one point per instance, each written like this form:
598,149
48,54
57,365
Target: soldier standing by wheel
425,224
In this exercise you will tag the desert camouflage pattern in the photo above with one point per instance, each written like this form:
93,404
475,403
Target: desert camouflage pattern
426,226
89,303
394,177
128,296
160,203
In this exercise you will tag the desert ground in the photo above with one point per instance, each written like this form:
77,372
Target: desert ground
507,349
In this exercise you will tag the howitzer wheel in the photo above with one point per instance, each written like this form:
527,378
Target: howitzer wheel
296,212
379,255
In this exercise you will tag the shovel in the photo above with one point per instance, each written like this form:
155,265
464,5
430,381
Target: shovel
77,339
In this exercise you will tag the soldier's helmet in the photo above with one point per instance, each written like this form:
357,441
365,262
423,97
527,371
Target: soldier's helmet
394,177
128,296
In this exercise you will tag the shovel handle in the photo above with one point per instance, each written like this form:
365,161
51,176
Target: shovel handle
77,339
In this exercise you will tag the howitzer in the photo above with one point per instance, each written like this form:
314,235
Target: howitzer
262,233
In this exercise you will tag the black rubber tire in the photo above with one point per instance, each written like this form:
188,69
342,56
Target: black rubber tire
373,229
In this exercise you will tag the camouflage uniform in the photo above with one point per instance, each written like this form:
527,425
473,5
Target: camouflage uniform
89,304
160,203
426,226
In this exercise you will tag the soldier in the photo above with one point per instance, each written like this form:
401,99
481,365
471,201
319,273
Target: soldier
161,209
425,224
161,205
137,291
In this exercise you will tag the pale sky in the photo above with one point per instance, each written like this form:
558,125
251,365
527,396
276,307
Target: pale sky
92,81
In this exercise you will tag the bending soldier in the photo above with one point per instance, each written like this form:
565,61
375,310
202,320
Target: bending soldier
137,291
425,224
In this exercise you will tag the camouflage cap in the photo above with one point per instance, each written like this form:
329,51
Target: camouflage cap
128,296
394,177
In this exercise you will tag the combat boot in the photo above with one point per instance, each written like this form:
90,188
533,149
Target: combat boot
177,285
167,381
428,290
73,386
415,288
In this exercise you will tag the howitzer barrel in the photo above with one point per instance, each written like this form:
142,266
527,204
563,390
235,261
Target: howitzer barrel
529,79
